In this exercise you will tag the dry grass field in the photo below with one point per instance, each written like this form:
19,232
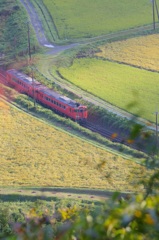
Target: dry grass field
141,51
33,153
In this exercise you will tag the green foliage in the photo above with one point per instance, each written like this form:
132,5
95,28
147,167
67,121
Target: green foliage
13,25
31,216
119,218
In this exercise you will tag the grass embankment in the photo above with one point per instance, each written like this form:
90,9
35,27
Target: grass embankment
35,154
76,19
116,83
13,34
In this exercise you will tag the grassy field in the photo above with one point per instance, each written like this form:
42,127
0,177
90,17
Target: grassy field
36,154
116,83
142,52
76,19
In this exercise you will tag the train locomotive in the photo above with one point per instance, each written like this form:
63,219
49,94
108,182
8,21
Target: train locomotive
47,97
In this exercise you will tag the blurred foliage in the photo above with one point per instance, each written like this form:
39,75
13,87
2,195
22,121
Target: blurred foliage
130,217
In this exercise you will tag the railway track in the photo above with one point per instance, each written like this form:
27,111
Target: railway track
106,133
110,135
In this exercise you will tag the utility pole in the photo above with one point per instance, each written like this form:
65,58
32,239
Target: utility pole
29,51
156,113
153,13
30,58
33,89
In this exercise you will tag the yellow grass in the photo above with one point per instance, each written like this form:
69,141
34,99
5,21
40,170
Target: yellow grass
33,153
141,51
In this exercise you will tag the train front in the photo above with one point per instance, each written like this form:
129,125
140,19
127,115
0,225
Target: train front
81,113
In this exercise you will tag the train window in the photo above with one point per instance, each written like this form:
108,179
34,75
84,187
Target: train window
59,104
14,79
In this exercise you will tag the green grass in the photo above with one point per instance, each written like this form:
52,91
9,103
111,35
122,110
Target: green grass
76,19
116,83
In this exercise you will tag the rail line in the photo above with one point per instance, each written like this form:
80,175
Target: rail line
110,135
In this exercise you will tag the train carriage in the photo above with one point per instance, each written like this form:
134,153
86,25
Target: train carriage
21,82
61,104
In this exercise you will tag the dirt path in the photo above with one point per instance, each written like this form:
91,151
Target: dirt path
70,193
36,23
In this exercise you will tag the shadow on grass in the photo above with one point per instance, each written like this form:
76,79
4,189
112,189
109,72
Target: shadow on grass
88,192
25,198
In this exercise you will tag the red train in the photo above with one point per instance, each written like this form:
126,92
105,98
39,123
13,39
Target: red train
49,98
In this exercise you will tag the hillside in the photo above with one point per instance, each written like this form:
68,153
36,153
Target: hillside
36,154
13,34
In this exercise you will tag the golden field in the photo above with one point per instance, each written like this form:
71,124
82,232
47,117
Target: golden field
36,154
140,51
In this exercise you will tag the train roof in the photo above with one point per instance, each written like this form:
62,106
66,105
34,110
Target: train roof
22,77
64,99
43,89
